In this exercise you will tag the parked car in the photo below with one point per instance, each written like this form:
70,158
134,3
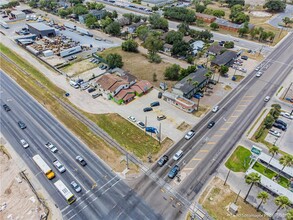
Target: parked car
6,107
154,104
282,127
24,143
257,68
140,124
189,134
148,109
161,117
131,118
275,132
258,74
286,115
244,57
281,122
160,94
174,171
163,160
21,124
81,160
211,124
90,90
75,186
216,108
267,98
96,95
59,166
178,155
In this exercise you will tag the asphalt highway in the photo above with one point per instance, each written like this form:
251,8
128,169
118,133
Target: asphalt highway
276,67
104,195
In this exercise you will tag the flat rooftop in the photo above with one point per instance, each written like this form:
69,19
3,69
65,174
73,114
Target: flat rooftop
40,26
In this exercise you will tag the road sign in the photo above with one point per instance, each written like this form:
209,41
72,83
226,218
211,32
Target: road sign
256,150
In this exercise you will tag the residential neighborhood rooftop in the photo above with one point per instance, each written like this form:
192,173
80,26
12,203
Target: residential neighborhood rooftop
224,58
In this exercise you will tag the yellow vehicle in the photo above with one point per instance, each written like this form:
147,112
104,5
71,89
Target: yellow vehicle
44,166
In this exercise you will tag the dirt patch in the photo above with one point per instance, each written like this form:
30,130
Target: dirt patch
183,126
78,67
227,88
17,199
202,109
166,143
216,200
261,14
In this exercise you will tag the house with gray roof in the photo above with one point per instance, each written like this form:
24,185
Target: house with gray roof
186,88
226,58
158,3
99,14
197,46
227,25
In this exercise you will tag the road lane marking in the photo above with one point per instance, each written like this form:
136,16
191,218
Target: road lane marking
223,129
205,150
110,187
229,122
187,168
218,135
208,143
238,110
196,158
234,116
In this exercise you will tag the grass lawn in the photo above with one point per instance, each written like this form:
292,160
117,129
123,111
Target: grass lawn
217,197
239,78
270,174
138,65
239,160
78,67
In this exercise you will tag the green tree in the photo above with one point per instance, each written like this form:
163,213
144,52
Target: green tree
269,121
219,13
157,22
64,12
90,20
289,215
114,60
183,28
172,72
208,75
200,8
155,77
243,31
205,35
155,8
153,44
180,13
142,32
173,36
263,196
274,150
287,21
235,2
287,161
282,202
130,46
113,29
33,3
251,179
275,5
229,44
223,70
214,26
80,9
114,14
180,48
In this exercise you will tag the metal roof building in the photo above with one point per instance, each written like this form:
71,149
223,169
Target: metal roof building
41,30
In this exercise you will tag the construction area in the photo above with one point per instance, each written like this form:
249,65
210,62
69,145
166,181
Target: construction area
17,199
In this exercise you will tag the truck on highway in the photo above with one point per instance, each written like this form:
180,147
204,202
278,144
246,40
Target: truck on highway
64,191
70,26
44,166
84,31
4,24
51,147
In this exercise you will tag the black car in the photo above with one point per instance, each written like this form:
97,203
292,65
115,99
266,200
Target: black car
90,90
163,160
153,104
211,124
244,57
160,94
81,160
282,127
6,108
148,109
278,121
21,124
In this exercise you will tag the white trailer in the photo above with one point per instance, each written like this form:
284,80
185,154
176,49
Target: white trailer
70,51
70,26
4,24
83,31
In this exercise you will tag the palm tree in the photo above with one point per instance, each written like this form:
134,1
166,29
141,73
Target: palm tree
289,215
208,75
251,178
286,20
189,80
274,150
287,161
263,196
281,202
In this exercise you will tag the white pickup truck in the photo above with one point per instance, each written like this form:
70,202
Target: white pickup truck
51,146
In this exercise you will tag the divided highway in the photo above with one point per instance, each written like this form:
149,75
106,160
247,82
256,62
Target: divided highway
104,195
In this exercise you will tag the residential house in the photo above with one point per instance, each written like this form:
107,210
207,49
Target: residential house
167,48
205,18
158,3
132,28
197,46
227,58
229,26
123,21
179,101
111,84
142,87
187,39
131,79
185,87
99,14
124,96
215,50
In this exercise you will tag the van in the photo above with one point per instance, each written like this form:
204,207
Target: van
74,84
153,104
178,155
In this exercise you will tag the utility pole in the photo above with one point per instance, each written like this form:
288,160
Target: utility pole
237,197
160,133
227,177
287,90
127,165
145,124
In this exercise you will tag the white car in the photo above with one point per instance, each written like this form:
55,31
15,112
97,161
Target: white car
131,118
267,98
286,115
24,143
275,133
215,109
258,74
257,68
141,124
189,134
51,146
178,155
59,166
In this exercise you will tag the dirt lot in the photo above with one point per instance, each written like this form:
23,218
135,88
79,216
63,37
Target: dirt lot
17,201
217,197
78,67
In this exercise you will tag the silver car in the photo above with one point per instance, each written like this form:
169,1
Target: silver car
75,186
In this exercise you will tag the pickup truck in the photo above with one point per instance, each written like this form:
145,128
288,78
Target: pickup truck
52,148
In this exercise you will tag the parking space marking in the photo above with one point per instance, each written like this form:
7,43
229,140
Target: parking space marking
223,129
210,143
229,122
238,110
204,149
188,168
196,158
234,116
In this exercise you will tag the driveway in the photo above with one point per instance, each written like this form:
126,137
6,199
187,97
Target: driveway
278,18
